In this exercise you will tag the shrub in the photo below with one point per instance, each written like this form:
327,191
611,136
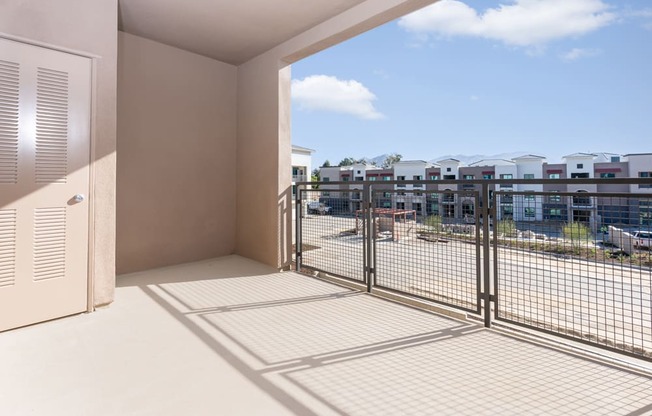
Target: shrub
433,221
577,233
506,228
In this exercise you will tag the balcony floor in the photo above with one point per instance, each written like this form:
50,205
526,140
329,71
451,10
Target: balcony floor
233,337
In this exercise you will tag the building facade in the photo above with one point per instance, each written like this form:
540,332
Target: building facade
513,201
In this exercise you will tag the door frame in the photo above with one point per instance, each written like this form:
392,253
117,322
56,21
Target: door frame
90,273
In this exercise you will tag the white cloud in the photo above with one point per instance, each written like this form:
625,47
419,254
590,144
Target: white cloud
527,23
578,53
327,93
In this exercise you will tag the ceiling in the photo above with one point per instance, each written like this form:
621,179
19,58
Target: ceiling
232,31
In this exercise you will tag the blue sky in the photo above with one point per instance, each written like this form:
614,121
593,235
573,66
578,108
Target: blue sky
551,77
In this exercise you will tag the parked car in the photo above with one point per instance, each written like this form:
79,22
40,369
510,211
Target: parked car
642,239
316,207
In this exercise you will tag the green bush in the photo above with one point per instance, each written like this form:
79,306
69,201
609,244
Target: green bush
506,228
577,232
434,222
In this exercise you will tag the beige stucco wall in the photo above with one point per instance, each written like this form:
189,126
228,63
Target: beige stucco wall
176,182
89,27
263,194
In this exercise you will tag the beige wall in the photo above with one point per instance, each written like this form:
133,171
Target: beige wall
176,156
89,27
264,204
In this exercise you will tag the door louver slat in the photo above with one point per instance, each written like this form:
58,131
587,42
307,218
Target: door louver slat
10,84
51,126
49,243
7,247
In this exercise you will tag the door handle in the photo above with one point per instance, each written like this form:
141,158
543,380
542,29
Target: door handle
79,198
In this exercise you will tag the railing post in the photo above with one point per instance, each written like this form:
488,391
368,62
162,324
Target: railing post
368,236
297,228
485,255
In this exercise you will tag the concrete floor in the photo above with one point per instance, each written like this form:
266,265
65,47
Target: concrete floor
233,337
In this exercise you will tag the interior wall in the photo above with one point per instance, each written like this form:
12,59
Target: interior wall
89,27
176,169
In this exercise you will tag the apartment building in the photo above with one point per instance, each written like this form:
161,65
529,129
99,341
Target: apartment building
513,201
301,166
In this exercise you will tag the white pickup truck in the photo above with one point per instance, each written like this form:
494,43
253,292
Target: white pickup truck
316,207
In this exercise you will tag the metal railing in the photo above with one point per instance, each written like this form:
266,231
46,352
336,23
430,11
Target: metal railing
526,255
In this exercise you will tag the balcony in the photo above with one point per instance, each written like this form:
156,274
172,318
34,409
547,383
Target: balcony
233,337
300,178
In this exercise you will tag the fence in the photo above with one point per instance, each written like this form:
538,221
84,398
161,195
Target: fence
518,253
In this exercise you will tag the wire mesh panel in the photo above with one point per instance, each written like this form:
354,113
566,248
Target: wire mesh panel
426,244
331,231
576,264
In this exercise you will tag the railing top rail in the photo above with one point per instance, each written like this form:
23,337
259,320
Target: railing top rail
566,181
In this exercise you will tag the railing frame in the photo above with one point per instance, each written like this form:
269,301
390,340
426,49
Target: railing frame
488,290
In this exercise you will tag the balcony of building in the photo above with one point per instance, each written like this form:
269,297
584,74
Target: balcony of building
232,336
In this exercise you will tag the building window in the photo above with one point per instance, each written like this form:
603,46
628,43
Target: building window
387,178
645,175
488,176
325,193
529,212
417,177
580,166
607,175
581,200
400,178
325,179
434,208
645,213
359,178
506,176
579,175
345,178
434,177
448,169
387,195
436,196
400,205
417,207
355,195
358,172
529,197
469,177
447,177
555,213
554,198
387,204
507,211
468,209
371,178
528,176
554,176
615,159
418,194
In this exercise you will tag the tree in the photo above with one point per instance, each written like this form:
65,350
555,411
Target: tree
391,159
315,175
326,164
347,161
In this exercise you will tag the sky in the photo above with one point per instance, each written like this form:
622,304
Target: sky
549,77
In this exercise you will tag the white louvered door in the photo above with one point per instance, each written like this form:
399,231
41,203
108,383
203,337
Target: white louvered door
44,157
